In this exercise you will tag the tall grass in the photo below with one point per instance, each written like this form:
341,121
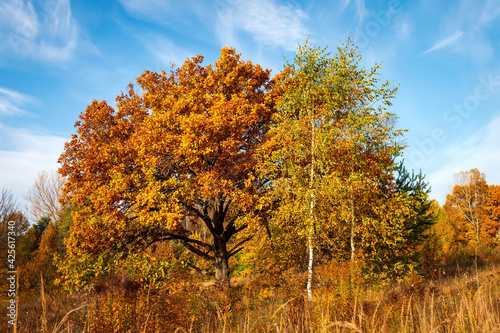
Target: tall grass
445,304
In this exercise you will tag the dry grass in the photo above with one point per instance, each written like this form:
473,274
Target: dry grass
453,304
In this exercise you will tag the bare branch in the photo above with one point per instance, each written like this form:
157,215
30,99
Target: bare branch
44,196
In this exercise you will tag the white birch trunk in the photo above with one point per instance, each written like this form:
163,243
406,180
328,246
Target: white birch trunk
311,217
311,252
353,221
353,225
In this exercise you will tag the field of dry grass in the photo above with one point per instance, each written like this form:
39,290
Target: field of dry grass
443,304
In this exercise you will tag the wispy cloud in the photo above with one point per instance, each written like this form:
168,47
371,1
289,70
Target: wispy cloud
445,42
359,5
490,11
164,51
361,9
475,15
268,22
479,150
403,28
183,15
25,152
12,102
40,29
470,22
152,9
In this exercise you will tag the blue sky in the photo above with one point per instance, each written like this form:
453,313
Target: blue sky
56,56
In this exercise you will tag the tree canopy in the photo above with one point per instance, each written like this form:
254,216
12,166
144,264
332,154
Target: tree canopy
224,149
178,154
330,156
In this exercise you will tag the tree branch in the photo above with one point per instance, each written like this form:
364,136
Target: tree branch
237,248
234,251
204,216
230,228
169,236
199,270
198,252
226,208
186,241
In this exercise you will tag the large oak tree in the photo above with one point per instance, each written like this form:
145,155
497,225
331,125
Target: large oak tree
179,153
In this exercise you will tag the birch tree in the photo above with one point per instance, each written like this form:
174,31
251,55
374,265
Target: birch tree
467,203
467,200
331,138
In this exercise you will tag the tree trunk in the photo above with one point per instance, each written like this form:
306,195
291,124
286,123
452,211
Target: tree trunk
221,262
311,259
353,225
222,271
477,250
311,217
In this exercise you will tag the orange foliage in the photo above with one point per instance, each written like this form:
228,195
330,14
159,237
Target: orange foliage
465,206
41,262
180,153
474,207
492,211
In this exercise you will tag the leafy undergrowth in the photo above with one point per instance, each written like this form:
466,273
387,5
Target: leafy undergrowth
341,304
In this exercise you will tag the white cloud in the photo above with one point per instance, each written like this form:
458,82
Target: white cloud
180,15
445,42
476,151
153,9
343,4
267,22
403,28
361,9
38,29
469,22
12,102
29,152
226,27
24,152
477,14
164,51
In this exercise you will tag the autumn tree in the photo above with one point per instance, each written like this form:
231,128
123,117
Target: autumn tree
491,226
180,153
13,227
331,151
439,240
9,211
466,203
44,196
444,231
8,204
41,261
465,207
38,248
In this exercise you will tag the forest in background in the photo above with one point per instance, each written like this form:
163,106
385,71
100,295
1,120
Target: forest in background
220,199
